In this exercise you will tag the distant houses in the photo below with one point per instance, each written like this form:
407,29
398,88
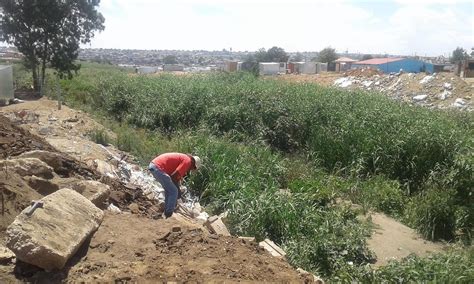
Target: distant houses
395,64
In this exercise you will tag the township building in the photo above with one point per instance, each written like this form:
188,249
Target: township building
389,65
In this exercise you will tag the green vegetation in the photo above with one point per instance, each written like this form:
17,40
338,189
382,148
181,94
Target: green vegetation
99,136
280,156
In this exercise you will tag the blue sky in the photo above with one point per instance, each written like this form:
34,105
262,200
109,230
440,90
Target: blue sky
406,27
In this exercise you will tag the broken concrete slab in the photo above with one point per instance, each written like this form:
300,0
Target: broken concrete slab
248,239
102,167
6,255
41,185
52,234
54,160
272,248
215,225
95,191
27,167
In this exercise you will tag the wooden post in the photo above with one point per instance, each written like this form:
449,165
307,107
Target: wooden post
59,93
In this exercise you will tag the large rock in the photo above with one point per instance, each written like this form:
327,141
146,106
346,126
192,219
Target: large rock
41,185
27,167
52,234
95,191
54,160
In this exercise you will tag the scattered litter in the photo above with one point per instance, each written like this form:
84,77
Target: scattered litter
16,101
367,83
114,208
448,86
459,103
444,95
426,79
343,82
420,98
442,88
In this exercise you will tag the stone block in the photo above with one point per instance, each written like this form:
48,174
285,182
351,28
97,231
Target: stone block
272,248
54,160
41,185
215,225
52,234
27,167
95,191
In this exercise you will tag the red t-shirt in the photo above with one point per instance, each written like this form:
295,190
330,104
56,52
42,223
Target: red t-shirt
171,162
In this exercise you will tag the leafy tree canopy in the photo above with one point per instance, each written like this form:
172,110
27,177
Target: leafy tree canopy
274,54
367,57
49,32
327,55
298,57
459,54
170,59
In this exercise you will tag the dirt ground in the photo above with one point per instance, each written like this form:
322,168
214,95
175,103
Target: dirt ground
161,251
392,240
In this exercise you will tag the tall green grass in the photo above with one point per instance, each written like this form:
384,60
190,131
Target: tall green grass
278,155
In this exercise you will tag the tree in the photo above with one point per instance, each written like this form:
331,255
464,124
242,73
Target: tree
298,57
170,59
327,55
274,54
49,32
459,54
277,54
261,55
367,57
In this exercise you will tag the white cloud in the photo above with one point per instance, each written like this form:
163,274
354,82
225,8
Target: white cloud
296,25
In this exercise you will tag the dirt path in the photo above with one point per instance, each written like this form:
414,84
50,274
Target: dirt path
393,240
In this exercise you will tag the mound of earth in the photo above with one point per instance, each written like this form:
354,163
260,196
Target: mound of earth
15,140
129,248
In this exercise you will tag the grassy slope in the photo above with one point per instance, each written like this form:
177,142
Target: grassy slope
258,136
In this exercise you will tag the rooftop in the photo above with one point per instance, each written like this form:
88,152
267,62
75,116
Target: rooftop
345,59
377,61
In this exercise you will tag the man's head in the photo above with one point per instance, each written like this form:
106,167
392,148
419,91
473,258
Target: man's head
197,162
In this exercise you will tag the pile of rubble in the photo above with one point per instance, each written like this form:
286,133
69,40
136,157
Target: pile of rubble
363,72
442,90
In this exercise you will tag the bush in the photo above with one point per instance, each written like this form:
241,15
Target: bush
432,213
99,136
380,194
455,266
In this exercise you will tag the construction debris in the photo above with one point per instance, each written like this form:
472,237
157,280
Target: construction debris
50,235
6,255
95,191
54,160
27,167
216,226
443,90
272,248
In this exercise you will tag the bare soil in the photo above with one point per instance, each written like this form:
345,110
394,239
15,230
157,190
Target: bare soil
129,248
392,240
